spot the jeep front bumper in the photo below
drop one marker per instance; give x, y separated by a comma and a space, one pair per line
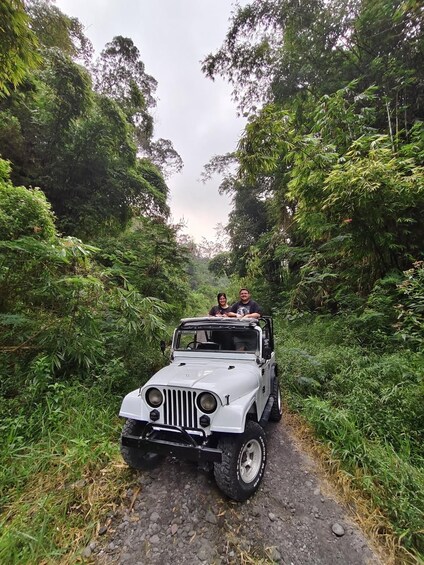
173, 441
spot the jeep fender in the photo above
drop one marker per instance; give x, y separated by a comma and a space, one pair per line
231, 418
131, 406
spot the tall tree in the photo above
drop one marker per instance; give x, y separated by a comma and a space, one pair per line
18, 45
54, 29
120, 74
276, 49
342, 86
82, 147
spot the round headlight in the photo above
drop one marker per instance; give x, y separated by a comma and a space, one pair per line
207, 402
154, 397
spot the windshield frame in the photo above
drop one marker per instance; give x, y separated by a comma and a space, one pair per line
218, 338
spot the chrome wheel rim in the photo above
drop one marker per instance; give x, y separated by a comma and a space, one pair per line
250, 460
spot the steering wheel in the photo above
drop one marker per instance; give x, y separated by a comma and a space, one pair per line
191, 345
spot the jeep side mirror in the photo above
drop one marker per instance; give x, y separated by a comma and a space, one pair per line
266, 352
162, 346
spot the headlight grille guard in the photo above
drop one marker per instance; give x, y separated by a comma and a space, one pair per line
152, 427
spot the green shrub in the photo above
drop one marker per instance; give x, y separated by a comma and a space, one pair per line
386, 394
410, 324
23, 212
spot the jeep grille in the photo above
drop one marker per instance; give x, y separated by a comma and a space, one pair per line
180, 408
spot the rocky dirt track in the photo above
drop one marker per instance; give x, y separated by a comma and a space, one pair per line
176, 515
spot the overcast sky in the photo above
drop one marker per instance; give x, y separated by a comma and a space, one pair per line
196, 114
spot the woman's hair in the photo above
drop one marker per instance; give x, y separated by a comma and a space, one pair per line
221, 294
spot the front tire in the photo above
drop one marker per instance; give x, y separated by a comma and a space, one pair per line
243, 462
136, 458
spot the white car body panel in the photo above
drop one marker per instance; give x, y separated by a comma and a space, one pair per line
240, 380
236, 389
215, 376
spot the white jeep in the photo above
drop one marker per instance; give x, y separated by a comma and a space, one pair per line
210, 403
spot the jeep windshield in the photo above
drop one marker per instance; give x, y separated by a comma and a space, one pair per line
217, 336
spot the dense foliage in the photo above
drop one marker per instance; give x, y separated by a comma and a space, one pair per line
84, 135
17, 45
329, 173
70, 328
326, 228
366, 405
80, 323
328, 198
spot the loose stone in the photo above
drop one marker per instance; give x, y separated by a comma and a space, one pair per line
274, 554
210, 517
154, 517
337, 529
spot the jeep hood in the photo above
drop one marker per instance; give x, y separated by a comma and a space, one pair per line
223, 378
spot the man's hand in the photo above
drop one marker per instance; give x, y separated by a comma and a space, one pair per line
252, 315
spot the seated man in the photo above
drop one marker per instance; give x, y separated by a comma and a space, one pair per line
245, 307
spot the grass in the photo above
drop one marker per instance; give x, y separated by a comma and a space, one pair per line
56, 488
368, 517
367, 407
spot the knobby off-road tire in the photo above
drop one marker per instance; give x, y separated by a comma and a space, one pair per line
277, 408
136, 458
243, 462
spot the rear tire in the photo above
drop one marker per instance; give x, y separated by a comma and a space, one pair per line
277, 408
243, 462
134, 457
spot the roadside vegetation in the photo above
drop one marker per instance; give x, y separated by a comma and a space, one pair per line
365, 405
326, 229
327, 184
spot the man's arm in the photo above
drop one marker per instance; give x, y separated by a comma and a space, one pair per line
252, 315
255, 311
233, 312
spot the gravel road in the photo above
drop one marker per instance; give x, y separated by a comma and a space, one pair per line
176, 515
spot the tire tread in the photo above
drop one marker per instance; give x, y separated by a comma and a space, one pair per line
226, 471
135, 458
276, 412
